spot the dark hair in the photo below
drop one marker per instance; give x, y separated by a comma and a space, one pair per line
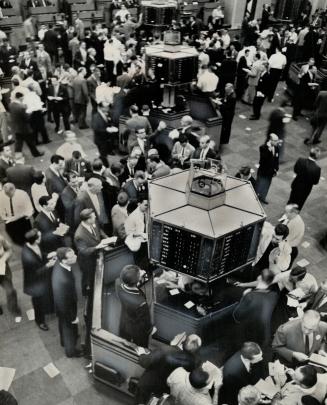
62, 253
97, 164
314, 153
76, 154
86, 214
15, 82
130, 275
282, 230
198, 378
56, 159
70, 175
7, 399
298, 272
19, 95
257, 55
183, 138
116, 168
309, 374
32, 235
154, 158
122, 198
131, 206
309, 400
134, 109
44, 200
38, 177
250, 349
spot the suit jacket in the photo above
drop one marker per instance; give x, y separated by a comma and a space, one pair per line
64, 293
254, 75
268, 163
49, 241
37, 278
85, 243
62, 105
3, 170
264, 83
32, 65
139, 122
164, 145
320, 105
50, 41
19, 118
82, 168
91, 86
227, 109
99, 126
133, 193
21, 176
307, 173
124, 80
289, 338
81, 93
315, 304
236, 376
211, 154
54, 183
68, 197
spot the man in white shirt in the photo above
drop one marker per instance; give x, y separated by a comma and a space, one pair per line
296, 228
69, 146
277, 62
207, 81
298, 278
16, 210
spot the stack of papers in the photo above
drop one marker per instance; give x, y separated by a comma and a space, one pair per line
267, 387
318, 360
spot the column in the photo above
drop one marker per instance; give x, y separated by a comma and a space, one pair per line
234, 12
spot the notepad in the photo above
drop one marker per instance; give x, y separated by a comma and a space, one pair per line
318, 360
51, 370
6, 377
174, 291
189, 305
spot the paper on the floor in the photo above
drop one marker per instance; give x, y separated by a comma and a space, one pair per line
6, 377
18, 319
174, 291
303, 263
305, 244
248, 129
30, 314
243, 117
51, 370
189, 304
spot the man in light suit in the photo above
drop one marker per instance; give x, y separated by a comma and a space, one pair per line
204, 151
183, 150
81, 98
318, 301
253, 79
55, 181
296, 340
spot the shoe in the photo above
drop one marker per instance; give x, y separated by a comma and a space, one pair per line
316, 142
39, 154
84, 127
77, 353
50, 120
253, 117
264, 201
43, 326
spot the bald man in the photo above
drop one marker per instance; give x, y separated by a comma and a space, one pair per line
268, 166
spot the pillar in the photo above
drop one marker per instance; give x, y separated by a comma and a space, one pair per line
234, 12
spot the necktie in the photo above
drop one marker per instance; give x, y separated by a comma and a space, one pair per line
294, 285
306, 345
12, 212
93, 231
183, 152
202, 154
52, 217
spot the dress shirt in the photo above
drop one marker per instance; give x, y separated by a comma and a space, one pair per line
247, 363
33, 102
34, 83
95, 202
207, 82
37, 191
296, 230
183, 392
277, 61
21, 202
203, 153
308, 285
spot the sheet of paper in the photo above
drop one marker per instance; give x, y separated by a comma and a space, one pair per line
303, 263
243, 117
305, 244
51, 370
297, 293
318, 359
30, 314
6, 377
174, 291
248, 129
189, 305
291, 302
18, 319
267, 387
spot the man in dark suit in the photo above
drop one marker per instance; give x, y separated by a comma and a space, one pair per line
65, 300
305, 91
93, 82
160, 363
21, 175
37, 270
100, 125
296, 340
54, 235
68, 197
6, 161
262, 91
245, 367
81, 97
268, 166
50, 42
319, 119
318, 302
227, 110
88, 237
20, 126
135, 320
55, 181
59, 103
307, 175
204, 150
137, 187
93, 197
160, 140
78, 164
